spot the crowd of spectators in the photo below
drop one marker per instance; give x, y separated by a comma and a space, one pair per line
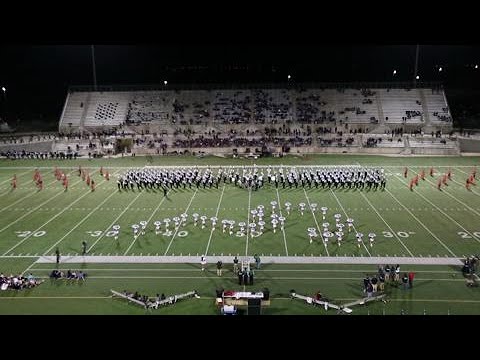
18, 282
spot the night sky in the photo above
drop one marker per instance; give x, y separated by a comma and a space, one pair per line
37, 77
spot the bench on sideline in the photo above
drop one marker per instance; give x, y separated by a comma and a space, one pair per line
155, 304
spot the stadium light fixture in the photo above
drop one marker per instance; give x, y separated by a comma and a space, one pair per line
476, 66
3, 89
165, 82
289, 77
440, 68
417, 77
394, 72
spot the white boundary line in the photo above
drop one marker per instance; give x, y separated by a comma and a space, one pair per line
149, 219
51, 219
423, 225
114, 221
209, 277
354, 228
248, 220
34, 209
216, 214
283, 231
178, 228
29, 267
381, 217
195, 270
316, 222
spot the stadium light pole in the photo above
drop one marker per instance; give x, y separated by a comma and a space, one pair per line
415, 77
4, 91
94, 69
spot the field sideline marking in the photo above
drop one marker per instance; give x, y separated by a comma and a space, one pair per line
316, 222
283, 230
260, 270
210, 299
26, 196
216, 214
214, 276
248, 220
51, 219
381, 217
421, 223
149, 219
176, 230
34, 209
354, 228
114, 221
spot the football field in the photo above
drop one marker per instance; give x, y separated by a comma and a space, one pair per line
423, 223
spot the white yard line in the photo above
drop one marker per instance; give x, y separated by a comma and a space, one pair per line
178, 228
114, 222
80, 223
462, 185
381, 217
354, 228
453, 197
149, 219
34, 209
248, 220
316, 222
29, 267
283, 231
421, 223
51, 219
216, 214
26, 196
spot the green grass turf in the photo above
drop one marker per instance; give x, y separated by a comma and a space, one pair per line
425, 222
437, 290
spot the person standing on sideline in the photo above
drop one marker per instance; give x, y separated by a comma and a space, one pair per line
257, 261
219, 268
404, 281
411, 275
235, 265
14, 182
165, 192
57, 254
84, 247
203, 262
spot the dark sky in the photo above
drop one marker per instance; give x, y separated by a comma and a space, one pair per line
37, 77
